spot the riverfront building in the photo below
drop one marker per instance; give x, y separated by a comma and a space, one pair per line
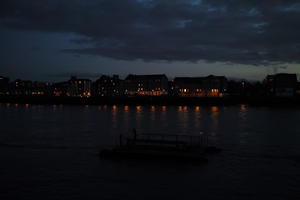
4, 84
210, 86
108, 86
146, 85
281, 85
80, 87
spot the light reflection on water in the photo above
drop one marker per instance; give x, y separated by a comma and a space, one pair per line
153, 108
242, 121
169, 119
55, 143
197, 117
197, 108
114, 113
214, 115
153, 113
163, 116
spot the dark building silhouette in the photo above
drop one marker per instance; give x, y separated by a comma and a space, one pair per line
41, 89
298, 89
61, 89
29, 88
210, 86
80, 87
243, 88
108, 86
281, 85
188, 86
171, 88
146, 85
4, 85
277, 85
20, 87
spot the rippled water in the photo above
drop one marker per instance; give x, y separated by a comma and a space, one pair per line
50, 152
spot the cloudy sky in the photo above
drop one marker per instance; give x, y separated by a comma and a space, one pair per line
52, 39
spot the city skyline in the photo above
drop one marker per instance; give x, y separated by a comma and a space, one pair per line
94, 77
150, 99
277, 85
49, 40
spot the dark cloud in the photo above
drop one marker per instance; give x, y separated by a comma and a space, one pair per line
77, 74
247, 31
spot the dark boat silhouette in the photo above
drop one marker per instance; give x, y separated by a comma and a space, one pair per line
161, 147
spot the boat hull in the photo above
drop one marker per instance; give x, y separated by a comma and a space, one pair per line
152, 155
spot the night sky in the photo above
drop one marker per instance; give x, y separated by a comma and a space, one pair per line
53, 39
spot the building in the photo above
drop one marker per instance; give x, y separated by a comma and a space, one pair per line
61, 89
21, 87
189, 87
108, 86
146, 85
210, 86
41, 89
281, 85
29, 88
79, 87
4, 85
298, 89
215, 86
171, 88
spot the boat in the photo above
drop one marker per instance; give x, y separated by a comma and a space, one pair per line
164, 147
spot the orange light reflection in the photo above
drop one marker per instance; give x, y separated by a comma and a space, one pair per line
215, 108
153, 108
139, 108
185, 108
126, 108
243, 107
179, 108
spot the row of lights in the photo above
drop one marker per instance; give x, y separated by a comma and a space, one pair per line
197, 90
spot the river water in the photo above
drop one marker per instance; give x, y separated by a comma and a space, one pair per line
51, 152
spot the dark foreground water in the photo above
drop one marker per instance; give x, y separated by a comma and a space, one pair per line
50, 152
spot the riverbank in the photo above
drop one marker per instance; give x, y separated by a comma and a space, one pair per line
258, 101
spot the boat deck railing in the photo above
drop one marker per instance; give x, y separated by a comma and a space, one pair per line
167, 140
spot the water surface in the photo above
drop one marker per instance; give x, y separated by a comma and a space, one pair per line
51, 152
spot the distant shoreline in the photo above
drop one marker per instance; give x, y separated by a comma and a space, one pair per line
166, 100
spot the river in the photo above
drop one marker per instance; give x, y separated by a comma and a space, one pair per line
51, 152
